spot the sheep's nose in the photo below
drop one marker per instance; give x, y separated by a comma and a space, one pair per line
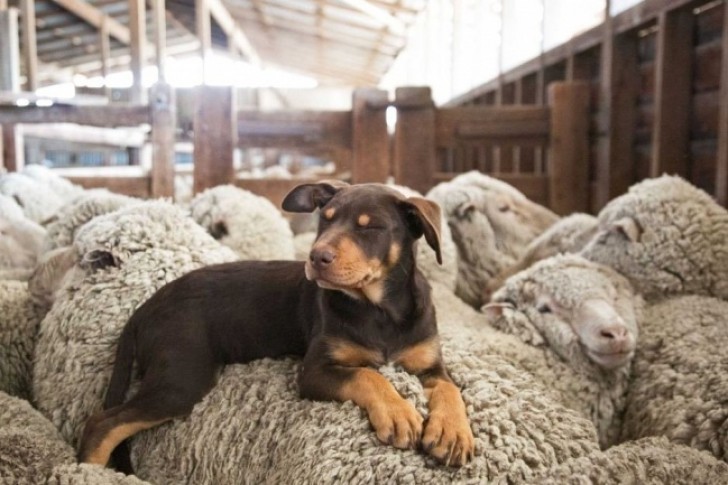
322, 257
616, 336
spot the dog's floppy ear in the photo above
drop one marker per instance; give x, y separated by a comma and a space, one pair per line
308, 197
423, 217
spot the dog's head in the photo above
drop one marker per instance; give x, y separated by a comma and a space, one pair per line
364, 232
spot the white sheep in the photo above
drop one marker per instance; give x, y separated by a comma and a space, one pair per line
568, 235
21, 241
19, 320
680, 384
584, 318
37, 201
122, 258
668, 237
62, 187
649, 460
33, 452
249, 224
70, 217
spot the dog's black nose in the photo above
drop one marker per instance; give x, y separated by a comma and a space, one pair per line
322, 256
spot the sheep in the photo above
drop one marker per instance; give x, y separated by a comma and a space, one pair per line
21, 242
649, 460
680, 383
668, 237
60, 186
249, 224
19, 320
63, 226
568, 235
302, 244
121, 259
584, 317
37, 201
33, 452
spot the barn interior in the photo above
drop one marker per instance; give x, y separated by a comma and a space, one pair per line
545, 130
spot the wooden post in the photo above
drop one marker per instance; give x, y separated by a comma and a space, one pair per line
619, 85
12, 146
9, 53
721, 186
105, 43
414, 140
673, 93
569, 147
216, 129
30, 50
163, 117
138, 31
370, 140
160, 37
202, 22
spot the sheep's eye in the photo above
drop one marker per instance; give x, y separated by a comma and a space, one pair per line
504, 208
543, 308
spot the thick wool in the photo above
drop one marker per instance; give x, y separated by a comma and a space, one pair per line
566, 282
649, 461
38, 202
124, 257
21, 242
82, 209
247, 223
19, 320
62, 187
680, 384
668, 237
567, 235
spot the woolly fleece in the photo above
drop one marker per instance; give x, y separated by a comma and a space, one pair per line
37, 201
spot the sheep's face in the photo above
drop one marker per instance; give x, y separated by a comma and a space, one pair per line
365, 231
20, 242
515, 221
578, 309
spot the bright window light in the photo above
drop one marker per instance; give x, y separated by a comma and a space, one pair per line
22, 102
57, 91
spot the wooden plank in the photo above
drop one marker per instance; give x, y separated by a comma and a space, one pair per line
163, 117
295, 129
215, 128
105, 52
274, 190
138, 31
414, 140
203, 29
370, 139
88, 135
106, 116
138, 186
93, 16
480, 121
12, 146
160, 40
30, 48
673, 76
9, 53
568, 162
619, 85
721, 188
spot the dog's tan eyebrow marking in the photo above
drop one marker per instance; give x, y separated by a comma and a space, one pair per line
363, 220
395, 251
329, 213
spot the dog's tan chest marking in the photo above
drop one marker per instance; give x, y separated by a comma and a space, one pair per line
353, 355
419, 357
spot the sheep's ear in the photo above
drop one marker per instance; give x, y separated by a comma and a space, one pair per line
308, 197
99, 259
423, 217
627, 227
493, 311
18, 201
219, 230
464, 210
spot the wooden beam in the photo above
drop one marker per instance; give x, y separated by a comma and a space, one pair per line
370, 143
414, 139
163, 117
138, 30
9, 54
93, 16
228, 24
673, 94
569, 147
12, 146
30, 48
106, 116
722, 162
215, 128
160, 38
105, 51
89, 135
203, 31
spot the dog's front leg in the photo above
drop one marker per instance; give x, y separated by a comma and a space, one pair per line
447, 435
395, 420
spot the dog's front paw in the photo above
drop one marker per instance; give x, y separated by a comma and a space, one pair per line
397, 423
449, 438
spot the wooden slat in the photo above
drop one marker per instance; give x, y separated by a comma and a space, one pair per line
94, 16
414, 147
30, 49
370, 138
673, 76
215, 128
160, 39
107, 116
138, 31
202, 29
569, 147
722, 161
163, 116
9, 54
105, 51
134, 186
274, 190
295, 129
479, 121
12, 148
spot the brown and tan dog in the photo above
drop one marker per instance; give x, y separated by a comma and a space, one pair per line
357, 303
